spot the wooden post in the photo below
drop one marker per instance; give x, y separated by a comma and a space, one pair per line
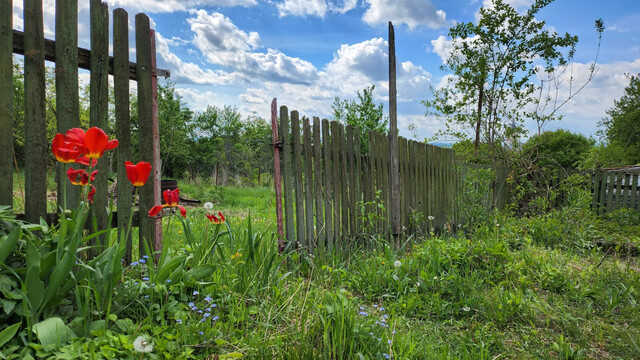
123, 121
157, 162
317, 176
145, 126
308, 185
67, 106
276, 173
297, 177
34, 113
328, 175
286, 172
6, 103
394, 179
99, 105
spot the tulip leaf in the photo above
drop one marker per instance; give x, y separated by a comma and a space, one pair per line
52, 331
8, 333
7, 243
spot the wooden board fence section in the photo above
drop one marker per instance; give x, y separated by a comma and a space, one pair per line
329, 184
6, 103
615, 189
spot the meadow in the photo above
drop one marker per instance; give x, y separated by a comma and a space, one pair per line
562, 285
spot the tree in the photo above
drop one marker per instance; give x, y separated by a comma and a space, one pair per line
494, 65
364, 114
622, 126
560, 148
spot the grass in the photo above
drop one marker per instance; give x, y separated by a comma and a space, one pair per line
563, 285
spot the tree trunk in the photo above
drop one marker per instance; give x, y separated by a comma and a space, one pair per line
477, 142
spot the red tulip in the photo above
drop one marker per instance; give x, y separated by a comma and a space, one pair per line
222, 219
91, 193
93, 143
80, 177
216, 219
138, 173
64, 151
171, 199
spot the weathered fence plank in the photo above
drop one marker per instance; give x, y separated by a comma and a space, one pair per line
317, 184
336, 182
35, 118
635, 203
308, 184
6, 103
123, 121
287, 180
297, 178
99, 104
145, 126
328, 176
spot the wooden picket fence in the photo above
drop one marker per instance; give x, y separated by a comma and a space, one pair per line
333, 193
68, 58
615, 189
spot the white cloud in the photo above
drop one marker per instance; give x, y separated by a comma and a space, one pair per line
164, 6
413, 13
302, 8
444, 46
317, 8
222, 43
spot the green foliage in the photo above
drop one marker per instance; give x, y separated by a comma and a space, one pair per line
494, 63
621, 126
559, 148
364, 114
473, 201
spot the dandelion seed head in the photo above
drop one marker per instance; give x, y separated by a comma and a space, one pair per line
397, 263
208, 205
143, 344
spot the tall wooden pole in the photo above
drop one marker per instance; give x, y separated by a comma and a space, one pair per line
6, 102
157, 164
276, 173
394, 178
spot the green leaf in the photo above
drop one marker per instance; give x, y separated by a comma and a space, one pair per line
52, 331
8, 333
233, 355
8, 242
200, 272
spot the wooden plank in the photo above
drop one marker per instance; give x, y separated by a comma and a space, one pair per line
634, 192
344, 184
595, 189
372, 179
384, 181
123, 121
6, 104
99, 105
602, 199
317, 177
412, 187
402, 159
328, 176
626, 199
358, 180
308, 185
36, 144
145, 126
336, 182
394, 205
297, 178
287, 176
84, 57
277, 172
350, 143
618, 201
610, 190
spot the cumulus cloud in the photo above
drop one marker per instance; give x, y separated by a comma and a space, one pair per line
169, 6
222, 43
413, 13
317, 8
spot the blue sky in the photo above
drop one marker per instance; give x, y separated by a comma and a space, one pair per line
306, 52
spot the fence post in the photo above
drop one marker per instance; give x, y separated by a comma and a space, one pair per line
123, 121
276, 172
145, 127
157, 162
297, 177
317, 176
67, 106
35, 120
6, 102
328, 176
99, 104
393, 138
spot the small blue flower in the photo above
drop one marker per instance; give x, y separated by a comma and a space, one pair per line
215, 318
146, 296
361, 307
381, 309
386, 356
179, 321
375, 306
389, 342
145, 256
385, 316
195, 293
146, 278
214, 305
168, 281
363, 313
208, 299
200, 332
142, 261
199, 311
134, 263
191, 304
203, 319
207, 315
393, 332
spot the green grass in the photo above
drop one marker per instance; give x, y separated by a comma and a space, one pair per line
564, 285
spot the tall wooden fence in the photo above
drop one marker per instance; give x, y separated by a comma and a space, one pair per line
334, 193
615, 189
68, 58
